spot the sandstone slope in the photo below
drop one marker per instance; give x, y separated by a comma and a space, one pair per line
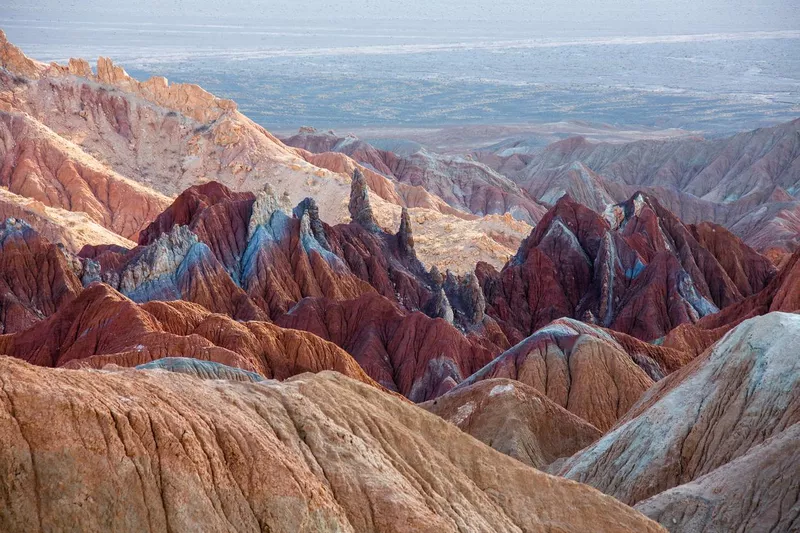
516, 420
72, 229
756, 492
580, 368
158, 451
36, 278
102, 327
708, 419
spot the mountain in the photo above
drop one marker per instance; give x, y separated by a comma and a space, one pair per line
160, 450
99, 136
202, 327
515, 419
463, 183
636, 269
701, 427
245, 260
748, 183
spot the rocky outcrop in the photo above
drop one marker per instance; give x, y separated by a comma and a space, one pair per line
782, 293
36, 278
175, 266
12, 59
360, 210
156, 450
748, 183
253, 258
405, 236
614, 270
580, 368
516, 420
698, 426
461, 182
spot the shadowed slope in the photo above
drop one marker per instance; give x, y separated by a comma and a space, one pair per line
36, 278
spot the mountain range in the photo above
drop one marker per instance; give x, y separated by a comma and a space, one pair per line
203, 326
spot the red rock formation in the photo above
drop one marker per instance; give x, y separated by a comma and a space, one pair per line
410, 353
157, 451
173, 267
516, 420
259, 261
717, 409
102, 327
36, 278
637, 270
782, 293
38, 164
580, 368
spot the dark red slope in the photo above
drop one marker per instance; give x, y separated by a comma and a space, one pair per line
35, 277
636, 269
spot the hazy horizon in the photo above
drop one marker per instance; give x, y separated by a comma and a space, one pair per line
713, 66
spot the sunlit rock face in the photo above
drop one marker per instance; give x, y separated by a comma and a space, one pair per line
746, 388
318, 452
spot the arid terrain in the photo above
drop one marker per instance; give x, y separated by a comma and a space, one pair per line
205, 326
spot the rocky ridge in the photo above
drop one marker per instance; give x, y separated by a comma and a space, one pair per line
158, 450
704, 425
169, 137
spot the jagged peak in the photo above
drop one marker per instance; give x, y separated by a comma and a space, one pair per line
163, 257
308, 213
264, 206
466, 294
359, 206
16, 62
405, 236
617, 215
